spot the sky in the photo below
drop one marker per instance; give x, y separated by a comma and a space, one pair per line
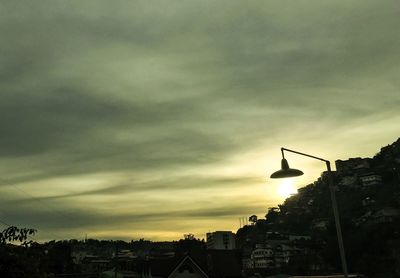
154, 119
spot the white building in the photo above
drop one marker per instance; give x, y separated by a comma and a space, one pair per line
269, 256
263, 257
221, 240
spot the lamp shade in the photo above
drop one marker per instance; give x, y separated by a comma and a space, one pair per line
286, 171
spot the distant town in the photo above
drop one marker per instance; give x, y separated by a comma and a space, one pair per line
294, 239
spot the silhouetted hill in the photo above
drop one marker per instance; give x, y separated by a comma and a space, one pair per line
368, 194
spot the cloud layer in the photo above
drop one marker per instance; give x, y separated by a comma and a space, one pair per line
154, 119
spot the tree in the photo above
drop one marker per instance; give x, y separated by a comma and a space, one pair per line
23, 260
253, 219
272, 215
189, 237
189, 244
13, 233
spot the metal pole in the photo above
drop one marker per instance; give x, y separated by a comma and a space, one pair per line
116, 260
337, 220
334, 206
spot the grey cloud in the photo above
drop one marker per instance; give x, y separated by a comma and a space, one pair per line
173, 185
45, 121
48, 220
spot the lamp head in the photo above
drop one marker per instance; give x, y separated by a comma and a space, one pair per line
286, 171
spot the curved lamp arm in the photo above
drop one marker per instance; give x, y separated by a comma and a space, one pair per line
303, 154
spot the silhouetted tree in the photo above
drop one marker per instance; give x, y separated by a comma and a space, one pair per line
253, 219
12, 234
23, 260
189, 245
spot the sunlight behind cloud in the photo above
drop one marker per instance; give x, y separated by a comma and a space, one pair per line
286, 188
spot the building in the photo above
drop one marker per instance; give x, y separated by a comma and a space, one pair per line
368, 202
185, 267
269, 256
299, 237
263, 257
221, 240
349, 181
358, 164
384, 216
320, 224
371, 179
188, 268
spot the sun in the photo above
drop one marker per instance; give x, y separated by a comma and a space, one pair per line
286, 188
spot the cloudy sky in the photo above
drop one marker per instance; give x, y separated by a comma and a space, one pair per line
129, 119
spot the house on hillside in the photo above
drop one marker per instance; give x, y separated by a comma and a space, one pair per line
370, 179
320, 224
349, 181
263, 257
383, 216
299, 237
268, 257
352, 165
368, 202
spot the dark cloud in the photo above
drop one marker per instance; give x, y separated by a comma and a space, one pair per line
43, 219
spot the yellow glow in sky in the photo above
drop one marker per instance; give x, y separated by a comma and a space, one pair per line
286, 188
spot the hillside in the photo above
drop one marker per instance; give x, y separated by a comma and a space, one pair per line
368, 194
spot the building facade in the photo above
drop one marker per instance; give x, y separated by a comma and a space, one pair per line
221, 240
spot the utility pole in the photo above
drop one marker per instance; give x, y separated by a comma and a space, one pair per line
116, 260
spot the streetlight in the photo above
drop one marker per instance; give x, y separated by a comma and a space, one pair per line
287, 172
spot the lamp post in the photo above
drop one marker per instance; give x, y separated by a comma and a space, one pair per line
287, 172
